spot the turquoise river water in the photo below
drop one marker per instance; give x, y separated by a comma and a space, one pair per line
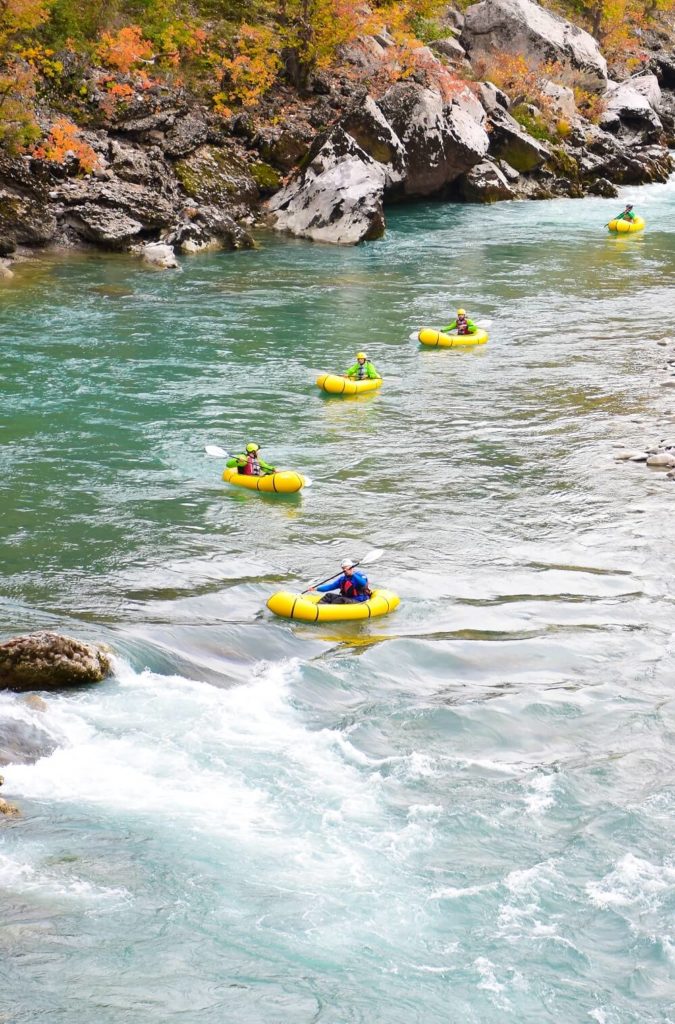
462, 812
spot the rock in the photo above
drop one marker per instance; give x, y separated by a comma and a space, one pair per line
448, 47
336, 198
561, 99
631, 103
7, 246
8, 809
491, 97
603, 187
26, 217
284, 148
661, 459
21, 742
159, 254
34, 701
103, 226
523, 27
509, 142
206, 227
630, 456
440, 142
484, 183
49, 661
367, 125
217, 177
187, 133
5, 270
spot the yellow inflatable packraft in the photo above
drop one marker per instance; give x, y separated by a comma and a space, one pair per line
437, 339
306, 607
335, 385
624, 227
287, 481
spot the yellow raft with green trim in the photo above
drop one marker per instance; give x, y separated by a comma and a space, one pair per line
333, 384
624, 227
437, 339
307, 607
286, 481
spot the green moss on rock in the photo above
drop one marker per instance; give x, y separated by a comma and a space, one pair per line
265, 177
217, 177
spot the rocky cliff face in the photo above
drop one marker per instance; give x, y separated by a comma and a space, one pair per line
172, 177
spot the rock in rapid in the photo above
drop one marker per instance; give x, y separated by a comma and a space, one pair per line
50, 661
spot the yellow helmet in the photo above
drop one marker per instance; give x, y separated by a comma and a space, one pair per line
252, 447
361, 355
461, 312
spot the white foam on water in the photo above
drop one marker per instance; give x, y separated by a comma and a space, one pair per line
486, 971
634, 882
541, 797
21, 877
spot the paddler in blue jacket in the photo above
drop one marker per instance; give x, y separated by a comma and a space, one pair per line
352, 586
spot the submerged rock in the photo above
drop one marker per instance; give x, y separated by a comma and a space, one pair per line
158, 254
8, 809
50, 661
21, 742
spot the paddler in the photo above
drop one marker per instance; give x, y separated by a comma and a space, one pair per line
362, 369
627, 214
461, 324
249, 462
352, 586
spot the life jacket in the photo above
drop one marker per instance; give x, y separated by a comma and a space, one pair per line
362, 371
350, 588
462, 325
252, 467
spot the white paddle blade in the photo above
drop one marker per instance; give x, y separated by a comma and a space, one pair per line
308, 481
414, 336
372, 556
215, 452
483, 324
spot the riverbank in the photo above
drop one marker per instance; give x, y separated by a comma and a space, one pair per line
158, 166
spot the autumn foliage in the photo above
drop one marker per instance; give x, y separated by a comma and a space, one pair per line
125, 49
64, 141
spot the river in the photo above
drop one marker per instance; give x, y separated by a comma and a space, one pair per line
460, 812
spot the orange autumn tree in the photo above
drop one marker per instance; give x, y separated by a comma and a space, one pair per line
125, 49
64, 140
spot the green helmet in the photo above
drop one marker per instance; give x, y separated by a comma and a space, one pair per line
252, 447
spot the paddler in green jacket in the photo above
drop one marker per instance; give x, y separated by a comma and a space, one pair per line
627, 214
249, 462
362, 369
461, 324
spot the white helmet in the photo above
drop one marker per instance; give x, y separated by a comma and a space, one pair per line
346, 563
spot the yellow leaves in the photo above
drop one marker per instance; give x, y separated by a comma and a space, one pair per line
21, 16
125, 49
41, 59
63, 141
251, 72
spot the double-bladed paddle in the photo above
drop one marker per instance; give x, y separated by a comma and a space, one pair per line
372, 556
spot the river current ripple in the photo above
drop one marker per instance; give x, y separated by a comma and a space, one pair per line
461, 812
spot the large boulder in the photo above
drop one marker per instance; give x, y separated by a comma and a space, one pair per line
111, 213
218, 177
484, 183
492, 27
369, 128
336, 198
25, 214
207, 227
509, 142
634, 105
440, 141
50, 661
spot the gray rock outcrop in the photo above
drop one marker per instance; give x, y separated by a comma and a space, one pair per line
484, 183
633, 105
50, 661
336, 198
523, 27
509, 142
